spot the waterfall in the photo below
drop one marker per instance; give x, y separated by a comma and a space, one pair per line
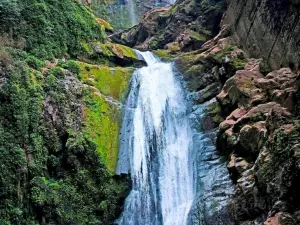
155, 147
132, 14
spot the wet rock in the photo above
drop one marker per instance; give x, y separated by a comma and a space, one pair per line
113, 53
247, 201
207, 93
204, 67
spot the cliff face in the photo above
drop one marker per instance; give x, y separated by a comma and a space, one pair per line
258, 104
258, 120
268, 29
62, 84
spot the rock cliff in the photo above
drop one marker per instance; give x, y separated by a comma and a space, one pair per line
252, 69
267, 29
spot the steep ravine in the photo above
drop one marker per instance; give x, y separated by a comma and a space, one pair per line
217, 137
257, 100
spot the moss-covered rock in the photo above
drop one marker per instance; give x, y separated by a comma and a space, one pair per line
110, 54
165, 54
104, 24
57, 169
217, 61
106, 90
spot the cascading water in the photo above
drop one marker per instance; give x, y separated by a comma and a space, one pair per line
155, 148
131, 10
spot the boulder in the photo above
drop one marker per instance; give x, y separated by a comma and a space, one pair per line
251, 138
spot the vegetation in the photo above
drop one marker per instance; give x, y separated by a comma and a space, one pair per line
51, 27
51, 171
55, 168
107, 87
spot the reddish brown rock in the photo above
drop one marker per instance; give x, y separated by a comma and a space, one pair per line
232, 118
280, 219
252, 137
260, 113
241, 89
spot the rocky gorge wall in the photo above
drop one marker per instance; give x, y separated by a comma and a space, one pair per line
259, 135
251, 69
268, 29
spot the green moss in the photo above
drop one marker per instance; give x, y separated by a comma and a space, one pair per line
36, 77
173, 47
110, 81
118, 50
86, 47
102, 115
164, 54
198, 36
109, 54
214, 111
102, 124
154, 44
238, 63
104, 24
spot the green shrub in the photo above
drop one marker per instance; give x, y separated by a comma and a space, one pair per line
34, 62
73, 67
9, 14
88, 68
57, 72
52, 28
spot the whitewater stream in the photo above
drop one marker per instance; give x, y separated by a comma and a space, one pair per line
155, 144
176, 174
